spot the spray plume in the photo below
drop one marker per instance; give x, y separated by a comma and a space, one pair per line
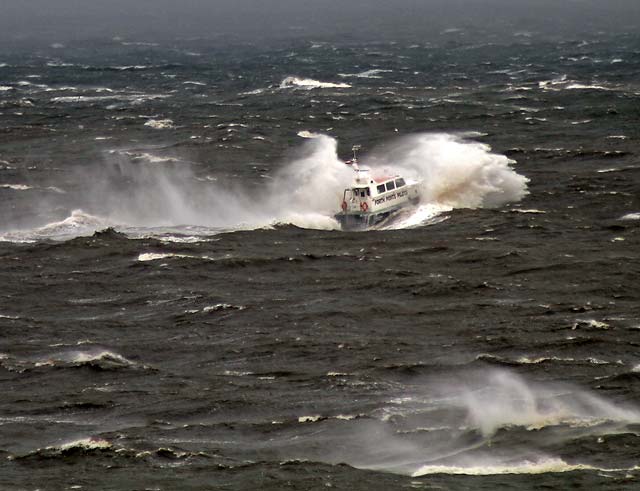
143, 191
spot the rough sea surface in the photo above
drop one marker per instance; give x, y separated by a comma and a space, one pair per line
179, 310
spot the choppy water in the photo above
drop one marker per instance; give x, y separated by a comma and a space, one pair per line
180, 311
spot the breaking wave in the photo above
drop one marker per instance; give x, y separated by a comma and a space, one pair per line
77, 224
308, 83
466, 425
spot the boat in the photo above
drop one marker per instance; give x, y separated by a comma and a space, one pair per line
371, 198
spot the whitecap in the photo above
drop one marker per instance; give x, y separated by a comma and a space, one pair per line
153, 159
541, 467
79, 223
5, 88
129, 67
631, 216
253, 92
85, 443
16, 187
577, 86
152, 256
308, 134
222, 306
307, 83
138, 43
59, 64
191, 239
373, 73
134, 98
160, 124
590, 323
155, 256
56, 189
527, 211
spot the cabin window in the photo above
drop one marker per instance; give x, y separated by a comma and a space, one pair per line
390, 186
380, 188
400, 182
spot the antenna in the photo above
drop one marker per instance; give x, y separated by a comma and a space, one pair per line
355, 149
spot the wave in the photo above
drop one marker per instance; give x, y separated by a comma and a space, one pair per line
544, 466
77, 224
156, 256
482, 422
89, 445
631, 216
102, 359
136, 98
95, 445
160, 124
373, 73
96, 358
308, 83
16, 187
527, 360
564, 83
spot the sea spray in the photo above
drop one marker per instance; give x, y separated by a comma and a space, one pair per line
465, 423
306, 191
139, 190
454, 171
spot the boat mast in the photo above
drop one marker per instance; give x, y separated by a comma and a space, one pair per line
355, 149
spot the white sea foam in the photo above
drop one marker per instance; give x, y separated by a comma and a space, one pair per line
5, 88
77, 224
544, 466
155, 256
577, 86
253, 92
149, 157
590, 323
373, 73
84, 357
91, 443
307, 83
631, 216
160, 124
16, 187
133, 98
129, 67
531, 211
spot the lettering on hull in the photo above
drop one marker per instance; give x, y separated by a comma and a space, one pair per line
391, 197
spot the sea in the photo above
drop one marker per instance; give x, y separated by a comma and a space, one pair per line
180, 310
